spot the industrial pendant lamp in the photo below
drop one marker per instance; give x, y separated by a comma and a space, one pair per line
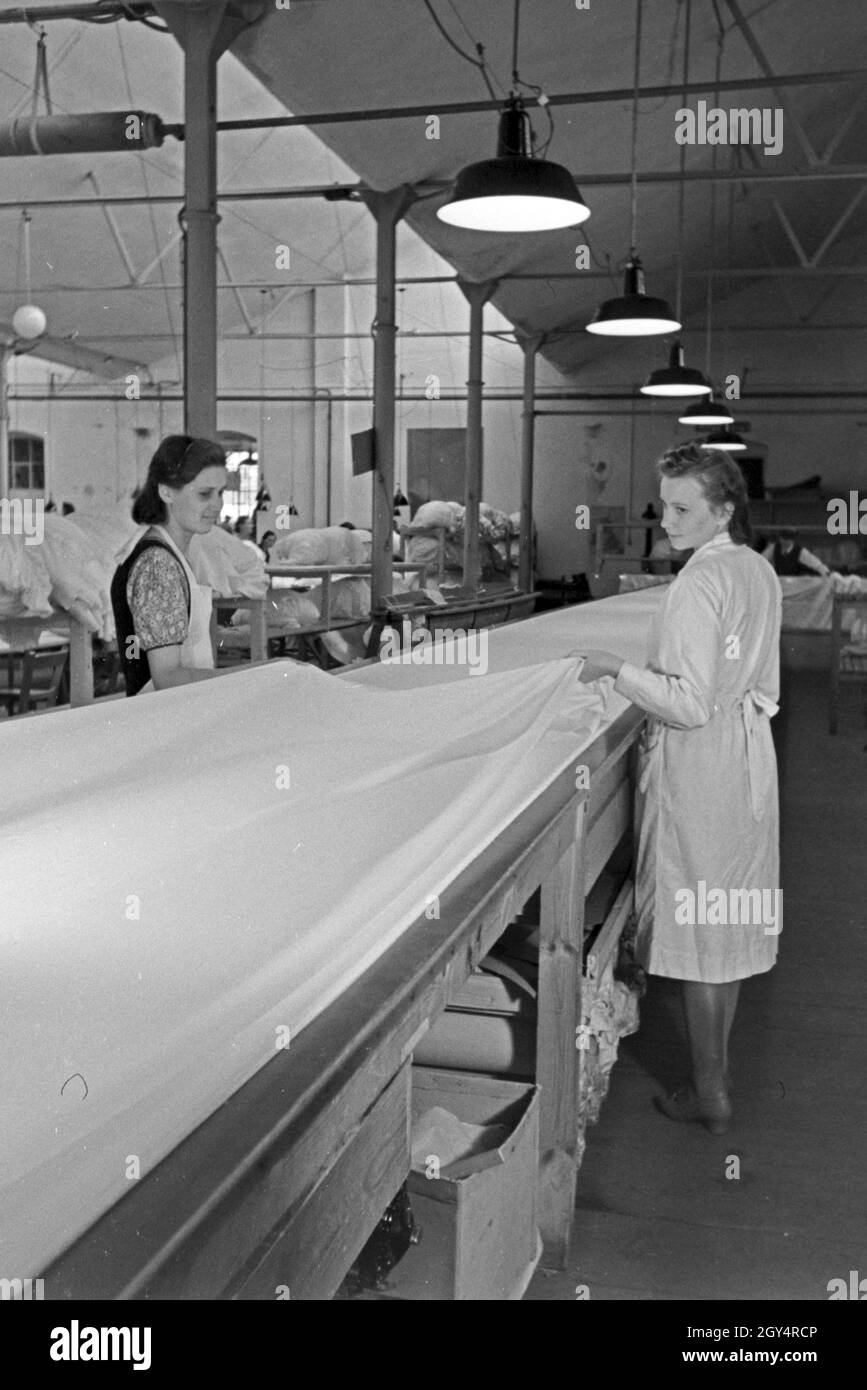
634, 314
516, 191
28, 321
706, 412
727, 439
677, 379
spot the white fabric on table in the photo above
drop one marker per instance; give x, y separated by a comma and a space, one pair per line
61, 571
321, 545
167, 907
25, 584
72, 568
807, 598
619, 624
228, 564
629, 583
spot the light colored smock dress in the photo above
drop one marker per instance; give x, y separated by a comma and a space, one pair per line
707, 876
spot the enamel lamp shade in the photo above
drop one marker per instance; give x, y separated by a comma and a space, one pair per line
727, 440
514, 192
707, 412
676, 379
634, 314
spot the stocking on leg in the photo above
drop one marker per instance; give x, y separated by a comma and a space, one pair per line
732, 989
706, 1010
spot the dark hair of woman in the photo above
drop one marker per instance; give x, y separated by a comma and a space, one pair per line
719, 478
178, 460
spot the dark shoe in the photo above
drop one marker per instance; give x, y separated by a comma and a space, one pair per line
685, 1105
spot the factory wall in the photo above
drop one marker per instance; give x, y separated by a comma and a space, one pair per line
97, 452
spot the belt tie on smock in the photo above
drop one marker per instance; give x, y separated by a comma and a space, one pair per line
649, 747
760, 758
752, 706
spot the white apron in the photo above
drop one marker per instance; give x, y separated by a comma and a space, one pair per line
197, 652
707, 799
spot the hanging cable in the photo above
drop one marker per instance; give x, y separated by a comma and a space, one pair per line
480, 62
260, 458
713, 163
40, 80
151, 216
672, 58
633, 212
24, 254
682, 189
515, 78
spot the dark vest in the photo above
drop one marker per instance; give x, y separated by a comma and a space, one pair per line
790, 563
136, 669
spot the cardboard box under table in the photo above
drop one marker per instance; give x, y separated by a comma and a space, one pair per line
479, 1235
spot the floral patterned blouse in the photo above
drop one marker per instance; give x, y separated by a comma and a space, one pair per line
158, 599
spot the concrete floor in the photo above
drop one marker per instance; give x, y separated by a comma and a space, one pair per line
660, 1213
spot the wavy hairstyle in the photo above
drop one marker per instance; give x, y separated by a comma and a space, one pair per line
178, 460
719, 478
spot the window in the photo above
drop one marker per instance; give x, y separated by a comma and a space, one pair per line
242, 485
26, 462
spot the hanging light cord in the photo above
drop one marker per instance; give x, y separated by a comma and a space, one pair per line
539, 152
40, 80
634, 194
713, 163
515, 78
680, 216
480, 62
25, 239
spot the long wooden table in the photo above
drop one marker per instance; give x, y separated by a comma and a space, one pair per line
276, 1193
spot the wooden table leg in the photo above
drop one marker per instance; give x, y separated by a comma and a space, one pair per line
258, 630
559, 1045
80, 665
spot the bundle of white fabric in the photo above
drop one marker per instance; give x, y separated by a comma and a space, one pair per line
424, 550
59, 571
217, 558
228, 564
322, 545
495, 527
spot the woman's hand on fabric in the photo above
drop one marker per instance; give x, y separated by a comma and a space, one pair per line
598, 664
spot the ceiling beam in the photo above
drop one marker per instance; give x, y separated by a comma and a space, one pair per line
109, 9
759, 55
155, 393
466, 108
843, 128
347, 192
838, 226
508, 336
360, 282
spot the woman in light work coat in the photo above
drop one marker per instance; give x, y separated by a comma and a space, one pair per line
707, 801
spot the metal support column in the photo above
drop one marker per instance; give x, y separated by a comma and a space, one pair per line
5, 472
530, 346
388, 208
477, 296
204, 31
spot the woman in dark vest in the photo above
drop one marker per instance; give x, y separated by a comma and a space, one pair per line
788, 556
162, 614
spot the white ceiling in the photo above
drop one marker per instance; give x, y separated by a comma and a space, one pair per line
401, 59
327, 55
